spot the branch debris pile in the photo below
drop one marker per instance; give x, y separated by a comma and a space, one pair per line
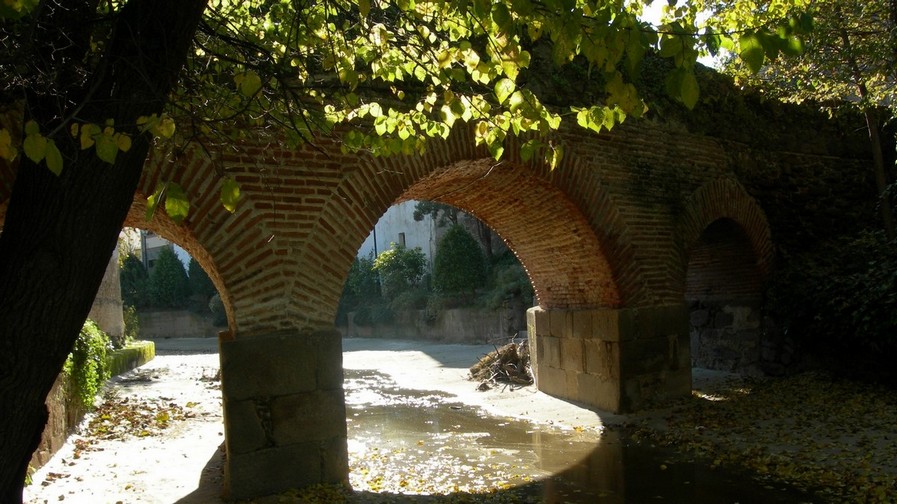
507, 364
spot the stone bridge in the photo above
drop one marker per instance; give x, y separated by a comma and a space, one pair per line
631, 230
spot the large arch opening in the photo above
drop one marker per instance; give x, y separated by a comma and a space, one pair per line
429, 271
558, 252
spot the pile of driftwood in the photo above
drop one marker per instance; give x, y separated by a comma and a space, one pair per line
508, 364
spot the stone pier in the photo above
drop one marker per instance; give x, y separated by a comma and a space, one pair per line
284, 411
613, 359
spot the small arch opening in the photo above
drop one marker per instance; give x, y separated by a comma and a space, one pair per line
724, 297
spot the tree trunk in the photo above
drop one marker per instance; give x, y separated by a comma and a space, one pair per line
881, 179
60, 232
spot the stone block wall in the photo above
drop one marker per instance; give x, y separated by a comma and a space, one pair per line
284, 411
613, 359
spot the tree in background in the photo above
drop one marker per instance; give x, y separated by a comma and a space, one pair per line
169, 286
134, 282
442, 214
459, 266
201, 286
850, 63
400, 269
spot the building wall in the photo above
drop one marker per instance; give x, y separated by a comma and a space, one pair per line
398, 225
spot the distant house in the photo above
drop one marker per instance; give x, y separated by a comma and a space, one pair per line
151, 246
398, 226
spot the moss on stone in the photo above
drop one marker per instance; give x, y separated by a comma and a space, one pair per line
134, 354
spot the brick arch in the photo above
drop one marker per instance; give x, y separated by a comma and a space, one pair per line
556, 243
183, 236
725, 200
539, 223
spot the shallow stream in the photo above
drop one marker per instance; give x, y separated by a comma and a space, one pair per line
417, 442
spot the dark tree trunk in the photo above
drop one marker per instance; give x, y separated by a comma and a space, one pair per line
60, 232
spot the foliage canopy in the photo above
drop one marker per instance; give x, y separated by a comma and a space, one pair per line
399, 71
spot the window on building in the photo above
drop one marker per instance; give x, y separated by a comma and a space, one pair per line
402, 239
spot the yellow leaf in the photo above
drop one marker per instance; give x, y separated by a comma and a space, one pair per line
123, 141
87, 132
7, 151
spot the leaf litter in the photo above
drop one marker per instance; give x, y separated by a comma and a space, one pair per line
832, 437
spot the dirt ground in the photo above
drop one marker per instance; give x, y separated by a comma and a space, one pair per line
159, 438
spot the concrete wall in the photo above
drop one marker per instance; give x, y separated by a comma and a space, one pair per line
175, 324
459, 325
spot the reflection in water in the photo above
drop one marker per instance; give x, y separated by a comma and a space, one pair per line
414, 442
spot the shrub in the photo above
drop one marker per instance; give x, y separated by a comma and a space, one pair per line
839, 302
459, 266
87, 365
132, 324
362, 286
169, 286
400, 269
509, 280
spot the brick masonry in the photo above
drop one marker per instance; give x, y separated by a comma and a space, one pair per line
619, 241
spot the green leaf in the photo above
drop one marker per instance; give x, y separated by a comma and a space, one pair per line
35, 146
153, 201
230, 194
364, 7
689, 89
752, 52
107, 148
32, 128
792, 46
502, 17
165, 127
712, 41
503, 89
529, 148
176, 203
54, 158
248, 83
522, 7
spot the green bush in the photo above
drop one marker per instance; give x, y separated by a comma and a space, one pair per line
168, 282
400, 269
362, 287
840, 302
87, 365
134, 282
132, 326
509, 280
459, 266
